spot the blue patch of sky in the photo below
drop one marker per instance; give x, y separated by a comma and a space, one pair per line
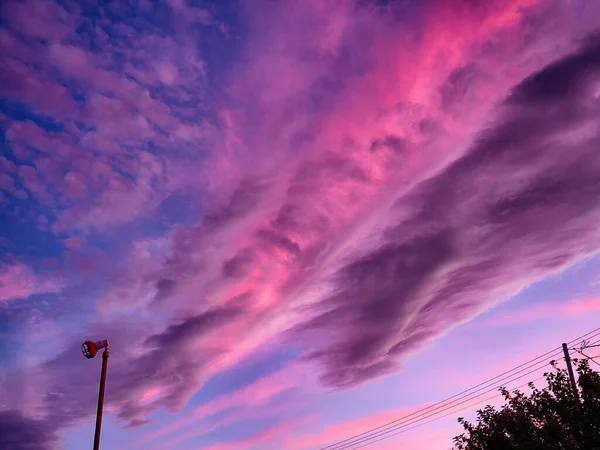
219, 49
79, 96
15, 315
216, 47
85, 128
20, 236
10, 346
250, 427
246, 372
20, 233
113, 433
11, 350
70, 311
20, 111
237, 431
179, 208
188, 105
214, 419
574, 283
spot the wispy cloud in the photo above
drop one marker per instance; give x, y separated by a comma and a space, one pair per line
20, 281
268, 438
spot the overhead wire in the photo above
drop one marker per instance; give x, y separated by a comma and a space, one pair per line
471, 405
423, 413
455, 397
388, 432
461, 397
586, 356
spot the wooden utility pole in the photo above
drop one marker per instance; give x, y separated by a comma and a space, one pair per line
570, 369
100, 399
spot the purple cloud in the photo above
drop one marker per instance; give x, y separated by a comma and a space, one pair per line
18, 432
520, 204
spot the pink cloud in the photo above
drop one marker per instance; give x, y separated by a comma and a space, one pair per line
167, 73
246, 402
21, 82
19, 281
272, 412
332, 433
190, 14
254, 394
538, 312
48, 21
264, 438
432, 437
584, 306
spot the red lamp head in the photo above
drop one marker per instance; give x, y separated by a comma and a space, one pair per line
89, 348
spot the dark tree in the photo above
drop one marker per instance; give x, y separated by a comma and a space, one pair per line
547, 419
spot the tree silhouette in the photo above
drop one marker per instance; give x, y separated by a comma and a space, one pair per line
548, 419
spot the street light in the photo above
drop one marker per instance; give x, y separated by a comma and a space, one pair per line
89, 350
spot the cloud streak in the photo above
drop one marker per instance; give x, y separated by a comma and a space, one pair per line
19, 281
519, 205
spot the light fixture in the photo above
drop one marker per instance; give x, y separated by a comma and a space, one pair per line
89, 348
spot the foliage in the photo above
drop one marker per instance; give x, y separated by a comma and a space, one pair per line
548, 419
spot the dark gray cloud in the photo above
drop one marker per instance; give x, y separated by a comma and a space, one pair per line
458, 86
193, 327
522, 202
563, 80
393, 142
239, 265
243, 200
18, 432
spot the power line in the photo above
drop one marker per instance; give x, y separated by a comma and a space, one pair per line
588, 357
400, 422
585, 345
442, 403
386, 428
385, 433
463, 408
471, 405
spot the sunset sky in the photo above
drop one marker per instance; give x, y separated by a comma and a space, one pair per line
293, 220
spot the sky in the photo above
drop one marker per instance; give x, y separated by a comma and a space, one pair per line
294, 221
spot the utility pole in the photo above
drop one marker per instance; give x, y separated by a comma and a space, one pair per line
89, 350
570, 369
101, 399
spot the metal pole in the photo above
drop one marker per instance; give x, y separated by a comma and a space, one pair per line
570, 369
100, 399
